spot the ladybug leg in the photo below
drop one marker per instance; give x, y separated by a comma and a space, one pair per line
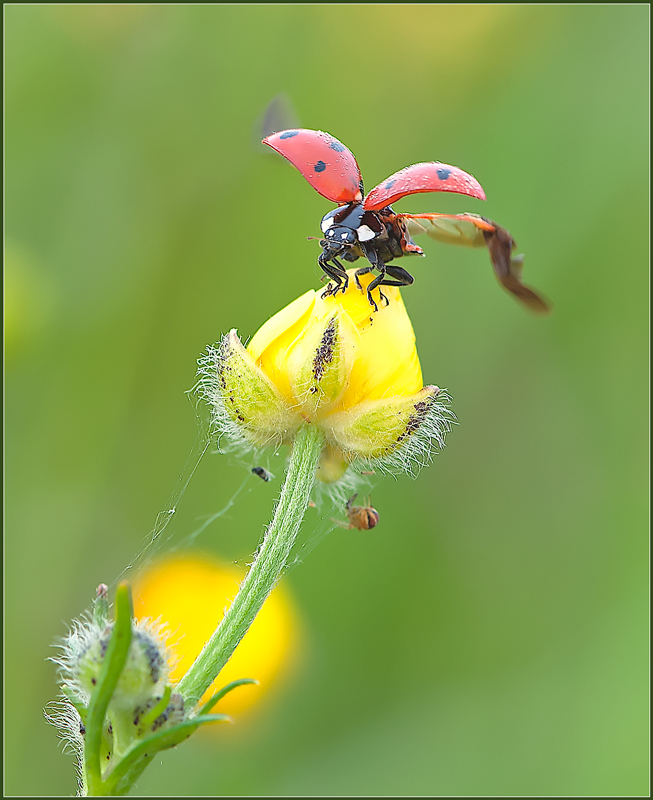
336, 271
342, 273
376, 282
375, 263
359, 272
402, 278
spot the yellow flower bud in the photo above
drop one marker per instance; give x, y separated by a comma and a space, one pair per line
333, 362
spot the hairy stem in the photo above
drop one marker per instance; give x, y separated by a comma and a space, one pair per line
266, 569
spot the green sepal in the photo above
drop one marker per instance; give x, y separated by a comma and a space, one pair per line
72, 698
123, 775
376, 428
101, 606
147, 719
319, 366
249, 397
225, 690
112, 666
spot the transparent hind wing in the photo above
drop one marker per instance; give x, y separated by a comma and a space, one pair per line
471, 230
461, 229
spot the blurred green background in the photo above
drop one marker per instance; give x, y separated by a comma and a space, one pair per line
490, 636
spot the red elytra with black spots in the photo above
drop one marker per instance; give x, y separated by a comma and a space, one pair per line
365, 226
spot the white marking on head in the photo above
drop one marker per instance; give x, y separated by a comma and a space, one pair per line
365, 233
344, 235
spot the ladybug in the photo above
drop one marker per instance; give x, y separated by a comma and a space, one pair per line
365, 226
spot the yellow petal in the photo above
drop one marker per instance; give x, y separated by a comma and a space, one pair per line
388, 364
269, 347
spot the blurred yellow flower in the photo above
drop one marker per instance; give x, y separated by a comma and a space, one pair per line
190, 594
333, 362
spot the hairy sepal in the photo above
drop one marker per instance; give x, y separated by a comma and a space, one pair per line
246, 406
399, 433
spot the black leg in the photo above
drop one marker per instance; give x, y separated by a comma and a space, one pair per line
336, 271
342, 273
402, 278
359, 272
330, 273
376, 263
376, 282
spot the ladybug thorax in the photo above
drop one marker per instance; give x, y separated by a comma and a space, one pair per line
350, 224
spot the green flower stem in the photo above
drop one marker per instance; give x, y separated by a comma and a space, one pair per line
266, 569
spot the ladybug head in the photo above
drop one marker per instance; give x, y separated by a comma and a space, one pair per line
339, 236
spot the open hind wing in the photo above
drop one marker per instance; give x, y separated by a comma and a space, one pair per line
471, 230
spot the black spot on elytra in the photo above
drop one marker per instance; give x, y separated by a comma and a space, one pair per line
288, 134
320, 166
389, 184
337, 147
443, 174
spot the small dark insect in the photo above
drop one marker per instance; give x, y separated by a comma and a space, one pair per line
363, 518
263, 474
365, 226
